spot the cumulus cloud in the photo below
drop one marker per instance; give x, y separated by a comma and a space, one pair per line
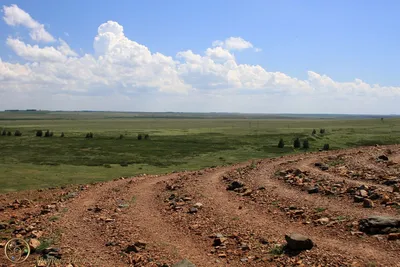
120, 66
14, 16
35, 53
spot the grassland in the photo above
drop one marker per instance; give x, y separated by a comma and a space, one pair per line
177, 142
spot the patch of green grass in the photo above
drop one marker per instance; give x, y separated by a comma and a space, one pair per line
54, 218
275, 203
277, 250
179, 142
336, 162
320, 209
342, 218
44, 243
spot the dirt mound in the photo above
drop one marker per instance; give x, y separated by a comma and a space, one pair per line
325, 204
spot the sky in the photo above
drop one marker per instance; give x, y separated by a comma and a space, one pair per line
253, 56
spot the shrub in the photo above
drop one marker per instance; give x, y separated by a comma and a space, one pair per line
47, 133
8, 133
314, 132
326, 147
306, 145
62, 134
139, 137
296, 143
39, 133
281, 144
4, 133
321, 131
146, 136
89, 135
17, 133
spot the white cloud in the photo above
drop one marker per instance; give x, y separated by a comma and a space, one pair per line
235, 43
35, 53
65, 49
14, 16
219, 54
124, 68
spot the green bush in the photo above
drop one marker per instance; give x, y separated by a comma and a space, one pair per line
139, 137
281, 144
314, 132
17, 133
89, 135
47, 133
39, 133
321, 131
296, 143
306, 145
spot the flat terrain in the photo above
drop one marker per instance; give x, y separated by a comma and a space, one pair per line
177, 142
153, 220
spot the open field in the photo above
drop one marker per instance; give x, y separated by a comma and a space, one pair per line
234, 215
177, 142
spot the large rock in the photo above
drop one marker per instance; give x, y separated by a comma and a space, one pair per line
383, 157
235, 185
34, 244
368, 203
184, 263
379, 225
298, 242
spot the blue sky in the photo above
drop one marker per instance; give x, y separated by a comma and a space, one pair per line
284, 52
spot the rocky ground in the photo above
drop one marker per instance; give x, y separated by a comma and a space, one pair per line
336, 208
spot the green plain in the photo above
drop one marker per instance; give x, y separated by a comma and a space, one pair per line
177, 142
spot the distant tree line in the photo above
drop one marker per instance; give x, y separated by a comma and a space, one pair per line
305, 144
48, 133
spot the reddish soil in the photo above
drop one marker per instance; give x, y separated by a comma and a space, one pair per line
160, 220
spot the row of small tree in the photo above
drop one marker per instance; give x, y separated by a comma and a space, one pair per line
39, 133
8, 133
48, 133
145, 137
321, 131
297, 144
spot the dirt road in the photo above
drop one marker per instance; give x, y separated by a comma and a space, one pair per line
160, 220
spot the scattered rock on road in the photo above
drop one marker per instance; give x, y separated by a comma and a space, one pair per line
394, 236
298, 242
379, 225
383, 157
235, 185
313, 190
34, 243
368, 203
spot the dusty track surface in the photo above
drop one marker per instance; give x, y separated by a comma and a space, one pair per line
160, 220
